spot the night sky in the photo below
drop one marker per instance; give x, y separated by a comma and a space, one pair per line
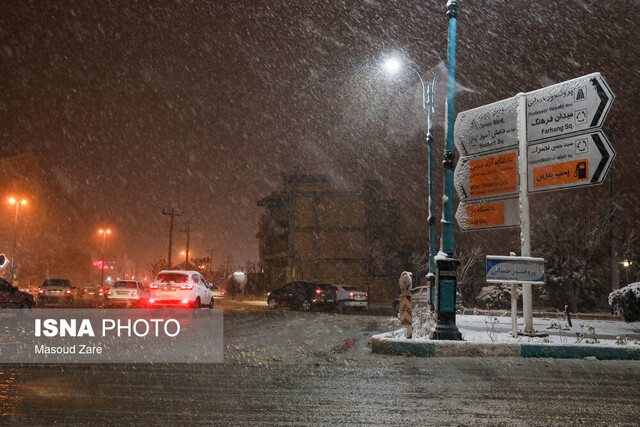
133, 107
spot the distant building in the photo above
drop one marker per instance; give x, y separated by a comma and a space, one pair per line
312, 230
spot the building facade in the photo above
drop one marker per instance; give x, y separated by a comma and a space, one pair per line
312, 230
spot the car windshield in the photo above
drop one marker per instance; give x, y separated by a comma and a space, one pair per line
127, 285
172, 278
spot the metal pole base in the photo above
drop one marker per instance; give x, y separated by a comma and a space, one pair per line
446, 332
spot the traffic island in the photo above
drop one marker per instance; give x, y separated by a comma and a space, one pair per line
386, 344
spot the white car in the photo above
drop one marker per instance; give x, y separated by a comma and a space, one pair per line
349, 296
180, 288
127, 293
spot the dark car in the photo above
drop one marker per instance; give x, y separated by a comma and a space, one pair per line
302, 295
92, 295
11, 297
56, 291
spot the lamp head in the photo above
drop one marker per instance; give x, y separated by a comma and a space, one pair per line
392, 65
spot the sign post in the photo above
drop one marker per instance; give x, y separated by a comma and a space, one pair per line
553, 136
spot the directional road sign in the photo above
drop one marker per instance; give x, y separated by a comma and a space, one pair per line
517, 270
483, 215
488, 128
575, 161
570, 107
486, 176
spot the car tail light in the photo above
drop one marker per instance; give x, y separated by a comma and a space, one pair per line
366, 294
101, 291
186, 287
151, 301
350, 294
68, 292
41, 291
318, 291
153, 286
134, 293
185, 301
85, 291
108, 292
336, 292
222, 293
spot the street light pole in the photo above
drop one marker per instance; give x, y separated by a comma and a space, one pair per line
172, 213
104, 240
446, 263
15, 234
427, 104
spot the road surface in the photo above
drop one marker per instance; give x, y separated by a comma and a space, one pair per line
293, 368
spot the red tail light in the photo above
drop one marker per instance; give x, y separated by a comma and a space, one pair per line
222, 293
68, 292
134, 293
366, 294
318, 291
108, 292
101, 291
336, 292
185, 301
153, 286
151, 301
186, 287
350, 294
85, 291
41, 291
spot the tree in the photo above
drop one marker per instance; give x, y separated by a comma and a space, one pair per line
571, 236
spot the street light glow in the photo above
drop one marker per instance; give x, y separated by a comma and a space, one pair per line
13, 201
392, 65
102, 231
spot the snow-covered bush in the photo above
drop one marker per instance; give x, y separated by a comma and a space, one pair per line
423, 321
495, 297
626, 302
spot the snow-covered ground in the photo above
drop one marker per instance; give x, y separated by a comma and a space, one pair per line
497, 329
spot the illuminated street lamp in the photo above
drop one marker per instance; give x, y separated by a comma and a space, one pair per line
104, 233
14, 201
393, 65
626, 264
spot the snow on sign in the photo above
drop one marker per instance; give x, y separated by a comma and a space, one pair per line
488, 128
488, 176
515, 270
565, 108
579, 160
484, 215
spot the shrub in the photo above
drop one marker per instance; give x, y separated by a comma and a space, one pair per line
496, 297
626, 302
233, 287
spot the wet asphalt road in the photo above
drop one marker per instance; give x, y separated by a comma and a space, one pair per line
291, 368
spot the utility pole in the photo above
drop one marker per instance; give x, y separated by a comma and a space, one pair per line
211, 251
172, 213
187, 230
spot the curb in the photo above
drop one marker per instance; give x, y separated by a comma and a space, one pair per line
396, 347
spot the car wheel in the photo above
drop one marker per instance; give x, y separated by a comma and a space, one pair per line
196, 303
306, 305
272, 303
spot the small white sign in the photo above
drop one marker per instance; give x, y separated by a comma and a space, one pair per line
516, 270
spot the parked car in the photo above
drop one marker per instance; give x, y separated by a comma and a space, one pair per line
302, 295
56, 292
217, 292
350, 296
11, 297
420, 297
332, 295
127, 293
180, 288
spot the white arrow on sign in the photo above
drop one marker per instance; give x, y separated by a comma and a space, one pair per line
485, 215
488, 128
575, 161
573, 106
487, 176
